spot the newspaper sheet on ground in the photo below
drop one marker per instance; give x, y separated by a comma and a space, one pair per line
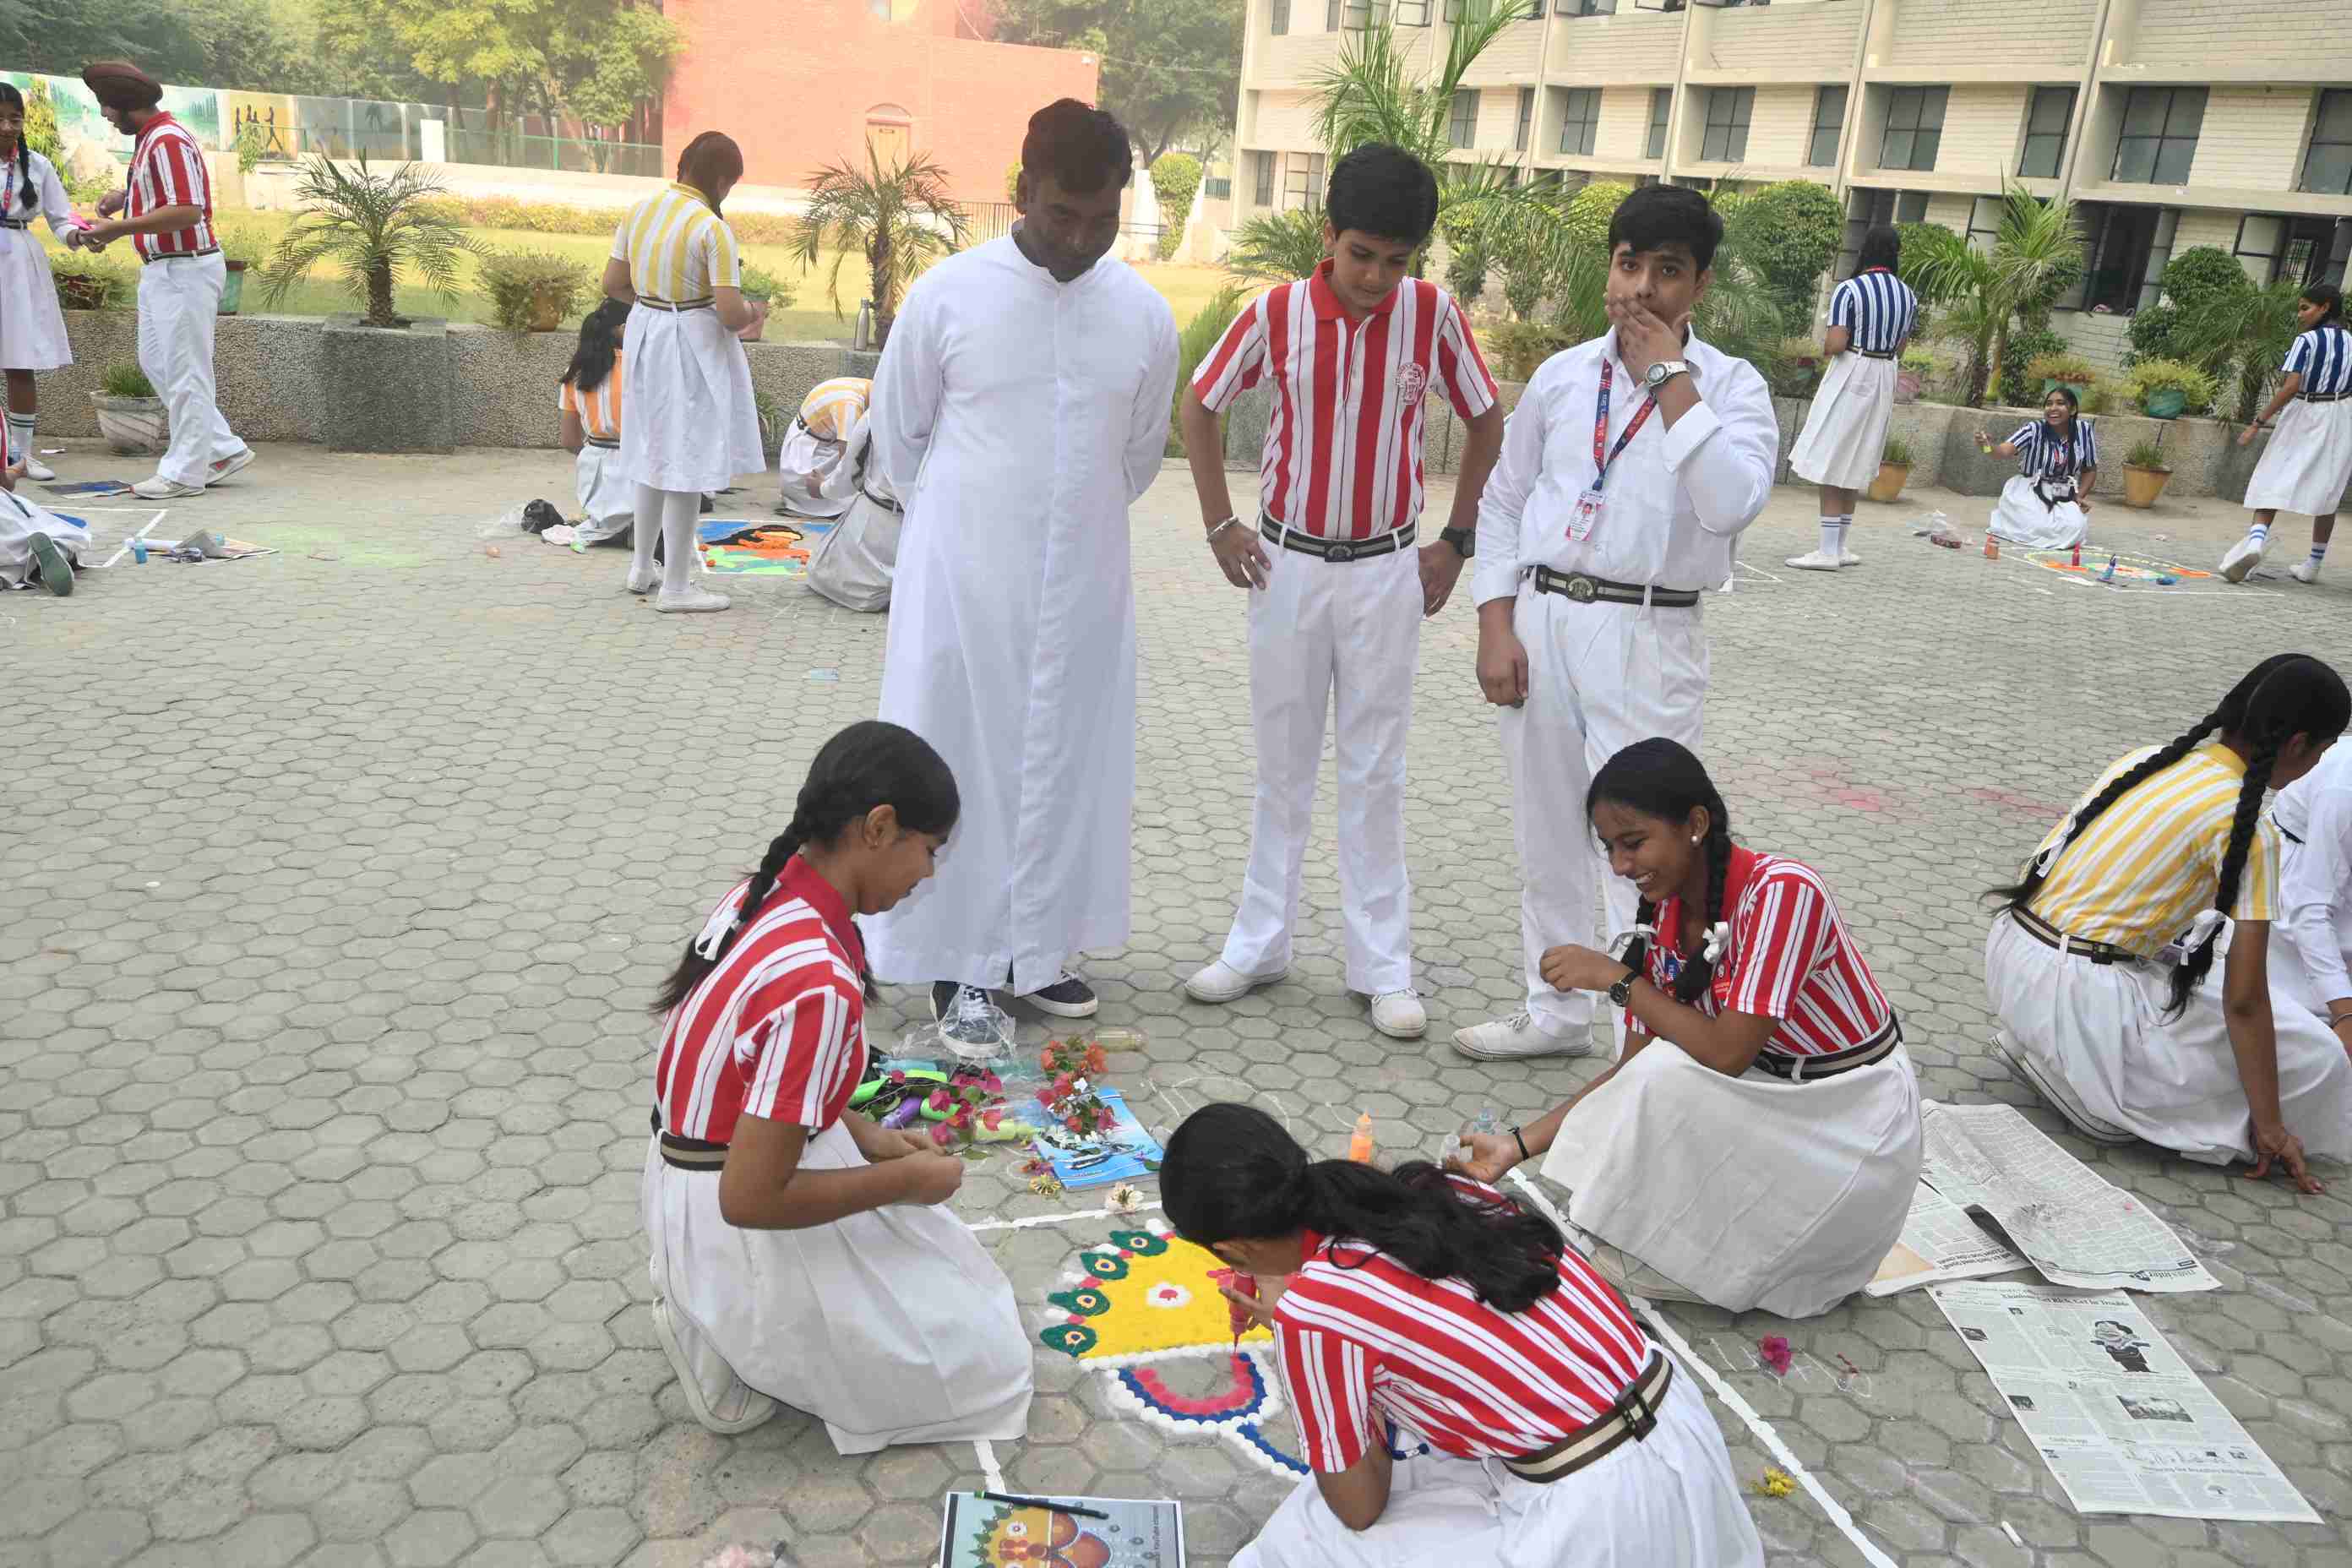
2122, 1421
2076, 1227
1940, 1243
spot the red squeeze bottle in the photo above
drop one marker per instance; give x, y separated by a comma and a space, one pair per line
1238, 1315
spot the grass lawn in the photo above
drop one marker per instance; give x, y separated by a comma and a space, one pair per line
810, 317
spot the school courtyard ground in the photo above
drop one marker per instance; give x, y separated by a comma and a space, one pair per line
336, 882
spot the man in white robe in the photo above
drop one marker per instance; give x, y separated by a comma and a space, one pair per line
1020, 406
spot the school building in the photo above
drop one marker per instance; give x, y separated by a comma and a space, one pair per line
2173, 122
802, 83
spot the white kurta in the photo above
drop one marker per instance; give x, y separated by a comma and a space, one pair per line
1844, 437
1019, 418
32, 327
2020, 518
1669, 1501
20, 519
2308, 462
2097, 1031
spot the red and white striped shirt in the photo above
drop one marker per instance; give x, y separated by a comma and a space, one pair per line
1342, 457
167, 170
1790, 958
778, 1029
1359, 1336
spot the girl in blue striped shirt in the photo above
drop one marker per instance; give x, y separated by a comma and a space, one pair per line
1871, 317
2047, 504
2309, 460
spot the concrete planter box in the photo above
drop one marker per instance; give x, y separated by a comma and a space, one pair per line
385, 389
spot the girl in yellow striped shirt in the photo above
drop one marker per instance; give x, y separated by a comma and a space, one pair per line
2171, 845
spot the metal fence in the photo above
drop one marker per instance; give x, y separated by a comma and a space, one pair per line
585, 155
994, 220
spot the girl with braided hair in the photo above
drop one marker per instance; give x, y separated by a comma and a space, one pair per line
2172, 845
1757, 1144
1550, 1428
31, 328
801, 1253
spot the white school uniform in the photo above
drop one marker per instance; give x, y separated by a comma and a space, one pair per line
1845, 429
892, 1325
1602, 676
607, 502
827, 470
2311, 938
689, 424
814, 467
32, 327
20, 520
1342, 465
181, 278
2037, 506
2308, 462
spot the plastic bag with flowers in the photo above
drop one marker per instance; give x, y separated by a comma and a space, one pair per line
969, 1112
1094, 1138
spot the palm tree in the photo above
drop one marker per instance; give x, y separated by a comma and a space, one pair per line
1277, 247
2037, 246
2248, 330
370, 225
899, 219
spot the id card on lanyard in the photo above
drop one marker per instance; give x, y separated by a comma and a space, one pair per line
1585, 516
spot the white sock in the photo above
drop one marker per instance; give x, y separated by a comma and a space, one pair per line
2318, 554
2259, 533
648, 530
679, 510
1833, 536
18, 447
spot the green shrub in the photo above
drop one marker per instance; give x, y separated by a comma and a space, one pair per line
1588, 211
2146, 454
1278, 247
1788, 232
2200, 275
2100, 396
759, 283
2070, 368
1013, 181
123, 379
1896, 453
1200, 335
2154, 376
1792, 367
1518, 347
1467, 261
2020, 386
520, 285
1176, 180
242, 242
86, 283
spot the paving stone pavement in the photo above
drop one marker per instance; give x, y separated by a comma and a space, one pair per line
337, 882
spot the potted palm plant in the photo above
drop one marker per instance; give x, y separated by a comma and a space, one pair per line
130, 416
897, 219
531, 291
2146, 474
1894, 470
2164, 388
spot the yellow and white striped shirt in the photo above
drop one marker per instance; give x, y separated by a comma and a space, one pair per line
677, 247
2140, 873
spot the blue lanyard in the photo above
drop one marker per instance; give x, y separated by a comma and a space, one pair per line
1601, 425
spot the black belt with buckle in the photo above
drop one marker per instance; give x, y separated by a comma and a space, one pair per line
1338, 550
16, 223
2322, 397
688, 1153
886, 505
1630, 1420
674, 306
1829, 1064
1587, 589
612, 444
2049, 935
1876, 353
181, 255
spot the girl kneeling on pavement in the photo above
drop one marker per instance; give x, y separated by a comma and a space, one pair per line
2171, 844
1757, 1144
1560, 1434
803, 1255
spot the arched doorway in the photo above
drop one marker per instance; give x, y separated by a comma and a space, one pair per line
890, 135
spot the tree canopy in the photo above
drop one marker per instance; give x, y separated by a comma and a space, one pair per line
1170, 68
593, 58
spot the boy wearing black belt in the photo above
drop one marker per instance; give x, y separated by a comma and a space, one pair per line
1337, 587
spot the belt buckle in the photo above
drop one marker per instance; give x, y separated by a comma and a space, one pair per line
1581, 588
1341, 553
1642, 1418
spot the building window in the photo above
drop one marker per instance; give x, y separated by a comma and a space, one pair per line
1526, 117
1412, 13
1468, 10
2298, 248
2045, 132
1579, 120
2327, 167
1915, 128
1984, 223
1535, 10
1462, 119
1302, 182
1866, 209
1279, 17
1828, 119
1727, 111
2160, 137
1661, 104
1587, 7
2128, 257
1263, 197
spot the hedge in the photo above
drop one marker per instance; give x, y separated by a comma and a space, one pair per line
559, 217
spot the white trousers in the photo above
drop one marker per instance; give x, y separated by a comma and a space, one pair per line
179, 301
1600, 677
1325, 633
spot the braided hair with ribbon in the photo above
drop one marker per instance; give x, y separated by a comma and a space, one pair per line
1661, 778
27, 197
870, 764
2286, 695
1233, 1173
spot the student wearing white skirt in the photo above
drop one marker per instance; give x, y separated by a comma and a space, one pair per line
1871, 317
800, 1254
2047, 504
826, 469
589, 401
31, 328
2308, 463
1563, 1436
1757, 1144
689, 424
2171, 844
38, 549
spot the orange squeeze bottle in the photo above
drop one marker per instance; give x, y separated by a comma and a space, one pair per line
1359, 1144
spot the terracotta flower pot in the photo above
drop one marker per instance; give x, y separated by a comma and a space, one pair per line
546, 311
1892, 477
2142, 486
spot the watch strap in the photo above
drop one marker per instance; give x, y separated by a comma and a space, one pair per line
1464, 542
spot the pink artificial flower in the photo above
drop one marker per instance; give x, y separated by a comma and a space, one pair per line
991, 1084
938, 1099
1045, 1095
942, 1134
961, 1119
899, 1075
1776, 1353
992, 1119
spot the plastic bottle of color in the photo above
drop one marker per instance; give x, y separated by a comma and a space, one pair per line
1992, 546
1359, 1144
139, 552
2109, 575
2077, 560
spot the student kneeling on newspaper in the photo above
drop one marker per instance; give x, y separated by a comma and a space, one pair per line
1561, 1433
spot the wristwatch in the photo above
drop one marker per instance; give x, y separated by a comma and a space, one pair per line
1666, 370
1464, 542
1622, 994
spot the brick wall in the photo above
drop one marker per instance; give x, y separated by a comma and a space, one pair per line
1785, 39
2309, 38
1628, 46
1981, 130
2037, 36
833, 62
2256, 135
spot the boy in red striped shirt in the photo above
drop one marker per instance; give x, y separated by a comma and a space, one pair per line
1338, 591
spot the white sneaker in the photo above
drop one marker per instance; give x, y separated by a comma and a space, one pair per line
228, 465
690, 601
1515, 1037
1813, 561
1398, 1014
1847, 557
37, 469
157, 488
1221, 982
2242, 558
646, 583
2303, 572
